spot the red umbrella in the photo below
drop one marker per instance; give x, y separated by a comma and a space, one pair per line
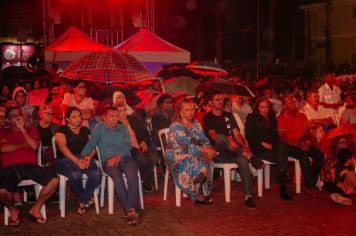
107, 67
326, 142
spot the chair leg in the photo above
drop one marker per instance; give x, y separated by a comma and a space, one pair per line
178, 196
267, 176
24, 196
155, 177
233, 175
111, 195
298, 176
260, 182
6, 216
166, 177
140, 191
62, 195
319, 183
102, 190
96, 201
227, 181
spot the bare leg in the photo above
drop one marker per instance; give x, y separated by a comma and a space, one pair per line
8, 199
46, 192
350, 182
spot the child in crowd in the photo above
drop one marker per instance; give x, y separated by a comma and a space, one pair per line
345, 176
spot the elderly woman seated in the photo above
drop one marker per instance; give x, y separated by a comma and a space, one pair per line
189, 154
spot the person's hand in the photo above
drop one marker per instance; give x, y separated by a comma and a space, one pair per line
81, 164
87, 160
232, 144
209, 152
20, 123
113, 161
143, 146
267, 145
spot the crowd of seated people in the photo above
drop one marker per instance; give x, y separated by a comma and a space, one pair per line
213, 128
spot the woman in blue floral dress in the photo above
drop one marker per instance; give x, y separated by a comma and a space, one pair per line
189, 154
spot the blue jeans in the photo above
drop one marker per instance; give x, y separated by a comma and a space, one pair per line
128, 197
74, 174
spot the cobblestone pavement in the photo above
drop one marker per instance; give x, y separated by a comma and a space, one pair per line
302, 216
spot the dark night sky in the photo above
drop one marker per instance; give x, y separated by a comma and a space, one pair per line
179, 25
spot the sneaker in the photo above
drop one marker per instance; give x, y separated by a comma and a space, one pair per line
147, 188
337, 198
250, 203
311, 192
285, 194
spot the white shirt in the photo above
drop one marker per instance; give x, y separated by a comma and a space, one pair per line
330, 96
86, 103
242, 111
312, 114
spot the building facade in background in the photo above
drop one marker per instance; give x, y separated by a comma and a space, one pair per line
330, 32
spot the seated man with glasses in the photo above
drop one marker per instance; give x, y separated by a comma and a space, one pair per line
78, 99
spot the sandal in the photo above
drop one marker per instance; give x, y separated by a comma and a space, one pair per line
206, 201
14, 223
90, 203
38, 219
81, 210
132, 217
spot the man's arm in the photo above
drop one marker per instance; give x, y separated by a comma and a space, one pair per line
12, 147
30, 141
239, 139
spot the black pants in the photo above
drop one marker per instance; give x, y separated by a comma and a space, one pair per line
279, 156
310, 171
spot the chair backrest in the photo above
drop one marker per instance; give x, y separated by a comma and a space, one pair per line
163, 134
54, 147
99, 159
149, 125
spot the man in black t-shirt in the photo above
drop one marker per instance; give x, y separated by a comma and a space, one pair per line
222, 130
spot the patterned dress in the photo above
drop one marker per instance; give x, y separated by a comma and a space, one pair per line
184, 159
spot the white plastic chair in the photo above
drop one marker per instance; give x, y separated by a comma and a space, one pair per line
62, 187
111, 187
162, 134
149, 128
297, 173
38, 189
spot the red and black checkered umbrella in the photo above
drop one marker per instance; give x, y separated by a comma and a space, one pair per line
107, 67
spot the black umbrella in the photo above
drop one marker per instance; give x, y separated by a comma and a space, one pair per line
16, 72
175, 70
225, 87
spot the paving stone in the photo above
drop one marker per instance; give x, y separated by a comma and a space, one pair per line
302, 216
